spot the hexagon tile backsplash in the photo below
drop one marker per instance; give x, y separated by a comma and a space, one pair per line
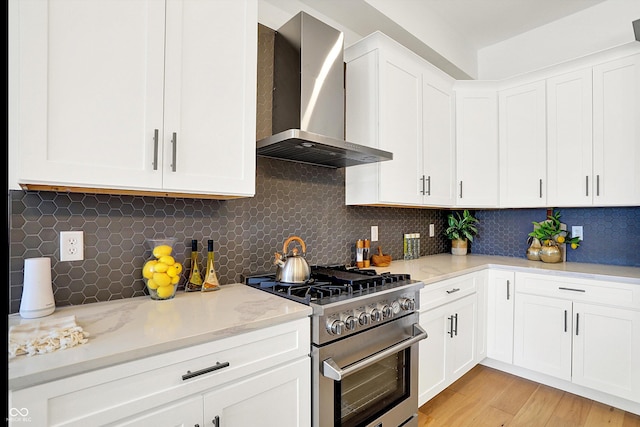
291, 199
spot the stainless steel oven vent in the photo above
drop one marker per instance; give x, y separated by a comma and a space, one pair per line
308, 98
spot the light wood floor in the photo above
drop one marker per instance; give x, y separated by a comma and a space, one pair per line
486, 397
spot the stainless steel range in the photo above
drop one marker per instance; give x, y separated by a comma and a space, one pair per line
364, 344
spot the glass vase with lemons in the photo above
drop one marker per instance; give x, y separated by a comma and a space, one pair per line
162, 272
547, 235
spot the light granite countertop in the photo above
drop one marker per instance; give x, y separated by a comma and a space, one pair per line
133, 328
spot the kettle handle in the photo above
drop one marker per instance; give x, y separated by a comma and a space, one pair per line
291, 239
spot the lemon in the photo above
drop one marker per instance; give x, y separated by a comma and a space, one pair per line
172, 271
162, 250
165, 291
162, 279
160, 267
151, 284
178, 267
560, 239
175, 280
167, 259
148, 269
574, 246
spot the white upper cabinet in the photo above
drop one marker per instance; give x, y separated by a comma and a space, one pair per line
569, 139
476, 144
523, 147
616, 132
135, 96
397, 102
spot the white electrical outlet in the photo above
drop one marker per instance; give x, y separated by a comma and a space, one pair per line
71, 246
432, 230
374, 233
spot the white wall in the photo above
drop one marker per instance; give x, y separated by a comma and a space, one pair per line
600, 27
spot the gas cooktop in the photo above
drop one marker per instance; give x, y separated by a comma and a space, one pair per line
331, 284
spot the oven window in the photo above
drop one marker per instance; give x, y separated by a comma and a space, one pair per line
370, 392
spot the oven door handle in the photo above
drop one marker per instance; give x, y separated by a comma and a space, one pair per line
330, 368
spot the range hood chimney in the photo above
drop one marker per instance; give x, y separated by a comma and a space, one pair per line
308, 98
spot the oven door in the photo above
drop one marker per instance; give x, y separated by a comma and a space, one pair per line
369, 379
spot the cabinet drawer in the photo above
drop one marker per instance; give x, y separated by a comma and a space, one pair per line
120, 391
445, 291
585, 290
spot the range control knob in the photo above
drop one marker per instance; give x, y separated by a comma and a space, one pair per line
335, 327
386, 310
350, 322
407, 304
376, 315
363, 318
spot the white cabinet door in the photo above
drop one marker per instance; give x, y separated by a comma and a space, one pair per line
449, 351
616, 132
462, 344
432, 375
185, 413
279, 397
500, 304
542, 335
437, 139
90, 92
606, 350
569, 139
523, 153
400, 129
210, 97
476, 147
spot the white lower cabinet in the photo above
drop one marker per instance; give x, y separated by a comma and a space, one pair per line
583, 331
448, 313
500, 303
261, 377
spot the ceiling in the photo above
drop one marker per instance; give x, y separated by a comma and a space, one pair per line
473, 24
486, 22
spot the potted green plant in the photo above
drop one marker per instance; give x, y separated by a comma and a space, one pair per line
546, 236
461, 229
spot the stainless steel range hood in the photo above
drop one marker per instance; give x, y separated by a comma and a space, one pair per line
308, 98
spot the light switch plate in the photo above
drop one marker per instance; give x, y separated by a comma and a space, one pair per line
374, 233
432, 230
576, 231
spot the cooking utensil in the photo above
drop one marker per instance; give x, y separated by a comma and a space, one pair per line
292, 268
380, 260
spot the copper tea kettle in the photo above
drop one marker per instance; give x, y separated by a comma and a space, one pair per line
292, 268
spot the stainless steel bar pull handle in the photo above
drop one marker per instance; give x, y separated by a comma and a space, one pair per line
216, 421
174, 142
508, 295
456, 321
597, 185
565, 320
562, 288
217, 366
453, 290
429, 185
461, 189
450, 332
577, 323
330, 368
422, 191
541, 188
155, 149
587, 185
